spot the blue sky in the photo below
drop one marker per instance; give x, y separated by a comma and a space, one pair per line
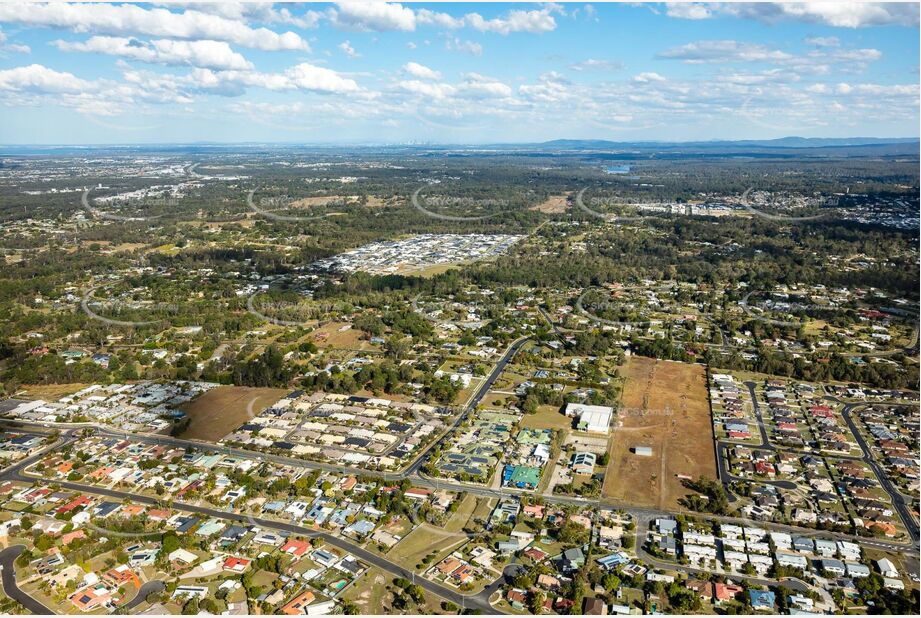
375, 72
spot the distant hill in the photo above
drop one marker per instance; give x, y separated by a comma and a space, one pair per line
783, 142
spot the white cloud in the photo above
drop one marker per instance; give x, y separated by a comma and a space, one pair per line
841, 13
441, 20
468, 47
823, 41
860, 56
12, 47
126, 19
428, 89
376, 16
537, 22
304, 76
724, 51
878, 89
551, 88
38, 78
476, 86
373, 16
421, 71
348, 50
687, 10
594, 64
645, 78
208, 54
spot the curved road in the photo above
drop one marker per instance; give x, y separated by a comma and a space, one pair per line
144, 591
898, 501
476, 601
11, 588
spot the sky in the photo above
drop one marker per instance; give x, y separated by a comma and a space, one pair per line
455, 73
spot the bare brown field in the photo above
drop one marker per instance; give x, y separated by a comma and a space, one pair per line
329, 336
554, 205
48, 392
223, 409
665, 406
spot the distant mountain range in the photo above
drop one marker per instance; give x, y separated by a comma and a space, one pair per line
784, 148
783, 142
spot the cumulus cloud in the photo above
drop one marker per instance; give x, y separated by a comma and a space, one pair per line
421, 71
468, 47
723, 51
594, 64
126, 19
537, 21
842, 14
208, 54
348, 50
373, 16
12, 47
687, 10
440, 20
40, 79
550, 88
391, 16
823, 41
645, 78
474, 86
303, 76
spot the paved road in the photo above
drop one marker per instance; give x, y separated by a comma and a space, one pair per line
478, 601
765, 442
471, 404
11, 588
898, 501
421, 481
144, 591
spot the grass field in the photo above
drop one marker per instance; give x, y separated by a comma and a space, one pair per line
546, 417
460, 517
48, 392
329, 336
223, 409
422, 541
665, 406
371, 595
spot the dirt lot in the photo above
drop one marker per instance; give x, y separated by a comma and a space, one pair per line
223, 409
554, 205
329, 336
373, 595
665, 407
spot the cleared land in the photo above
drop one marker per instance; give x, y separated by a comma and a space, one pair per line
554, 205
546, 417
48, 392
223, 409
422, 541
462, 515
665, 407
329, 336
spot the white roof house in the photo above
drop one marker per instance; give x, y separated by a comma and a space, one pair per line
887, 568
591, 418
